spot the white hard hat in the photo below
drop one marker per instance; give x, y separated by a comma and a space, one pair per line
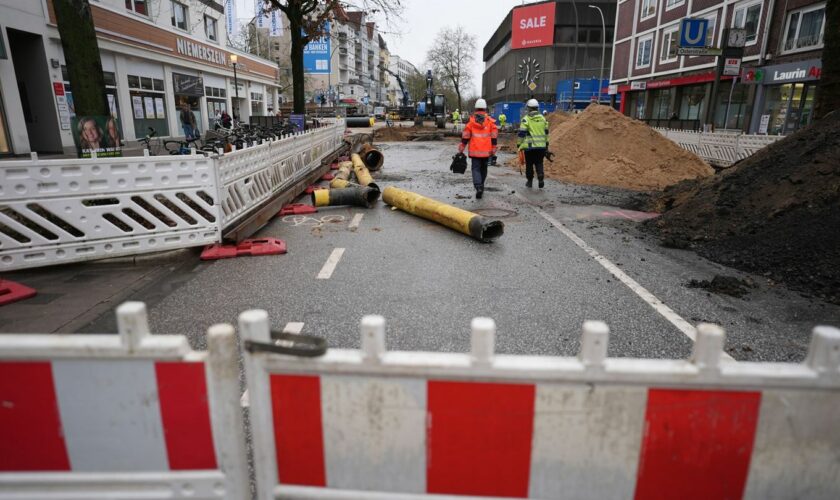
481, 104
532, 103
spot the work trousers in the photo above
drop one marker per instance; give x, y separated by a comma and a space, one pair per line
534, 159
479, 172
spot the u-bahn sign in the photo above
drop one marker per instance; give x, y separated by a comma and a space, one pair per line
693, 38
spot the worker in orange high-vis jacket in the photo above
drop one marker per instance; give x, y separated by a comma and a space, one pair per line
480, 137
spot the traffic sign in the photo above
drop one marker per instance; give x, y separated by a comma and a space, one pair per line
693, 32
732, 66
532, 86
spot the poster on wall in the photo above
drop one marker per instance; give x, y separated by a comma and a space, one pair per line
137, 103
150, 107
765, 122
316, 54
97, 134
159, 112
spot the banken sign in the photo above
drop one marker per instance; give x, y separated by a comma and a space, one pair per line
693, 32
533, 26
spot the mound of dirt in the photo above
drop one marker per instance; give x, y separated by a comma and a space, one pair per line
776, 213
603, 147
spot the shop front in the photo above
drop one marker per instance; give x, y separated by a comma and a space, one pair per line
188, 91
785, 96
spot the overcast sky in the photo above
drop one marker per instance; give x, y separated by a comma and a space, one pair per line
412, 36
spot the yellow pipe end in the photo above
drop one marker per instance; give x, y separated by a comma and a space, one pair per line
321, 197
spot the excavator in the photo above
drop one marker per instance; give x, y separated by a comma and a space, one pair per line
434, 105
406, 111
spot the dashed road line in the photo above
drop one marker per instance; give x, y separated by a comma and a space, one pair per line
329, 266
354, 223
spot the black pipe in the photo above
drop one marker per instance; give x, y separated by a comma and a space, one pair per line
360, 196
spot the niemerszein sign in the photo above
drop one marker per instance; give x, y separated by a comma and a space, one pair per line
200, 52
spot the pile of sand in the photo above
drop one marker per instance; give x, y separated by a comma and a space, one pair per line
603, 147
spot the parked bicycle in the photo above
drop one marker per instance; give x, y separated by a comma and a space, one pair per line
182, 147
151, 142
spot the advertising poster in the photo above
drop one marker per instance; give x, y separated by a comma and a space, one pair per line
316, 54
298, 121
159, 112
533, 26
99, 134
137, 103
150, 106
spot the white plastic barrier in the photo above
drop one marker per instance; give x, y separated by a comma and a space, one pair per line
130, 416
721, 149
378, 424
61, 211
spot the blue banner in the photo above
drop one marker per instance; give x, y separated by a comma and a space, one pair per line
316, 54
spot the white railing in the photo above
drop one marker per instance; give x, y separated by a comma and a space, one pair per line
72, 210
720, 149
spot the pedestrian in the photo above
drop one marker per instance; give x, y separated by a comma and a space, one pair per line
456, 118
480, 137
187, 122
217, 119
533, 140
227, 121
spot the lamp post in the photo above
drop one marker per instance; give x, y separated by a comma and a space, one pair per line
574, 60
603, 49
233, 59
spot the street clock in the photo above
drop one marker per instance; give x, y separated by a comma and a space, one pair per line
737, 37
528, 71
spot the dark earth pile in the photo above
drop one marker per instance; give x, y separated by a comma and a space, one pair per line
776, 213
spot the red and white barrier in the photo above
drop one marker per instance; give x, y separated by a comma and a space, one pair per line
129, 416
377, 424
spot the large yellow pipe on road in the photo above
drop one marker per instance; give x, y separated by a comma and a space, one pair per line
345, 168
452, 217
362, 173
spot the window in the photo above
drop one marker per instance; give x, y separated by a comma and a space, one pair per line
670, 39
147, 105
256, 103
747, 16
138, 6
643, 50
179, 15
670, 4
805, 28
215, 92
210, 28
648, 8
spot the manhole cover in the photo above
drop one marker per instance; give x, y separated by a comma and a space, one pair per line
496, 213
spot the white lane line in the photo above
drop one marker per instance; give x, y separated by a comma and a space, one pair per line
354, 223
659, 306
291, 327
329, 265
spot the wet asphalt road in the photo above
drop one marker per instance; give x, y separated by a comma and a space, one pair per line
429, 281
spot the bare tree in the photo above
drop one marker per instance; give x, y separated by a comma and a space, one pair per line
451, 57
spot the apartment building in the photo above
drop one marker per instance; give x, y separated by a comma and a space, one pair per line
156, 56
775, 90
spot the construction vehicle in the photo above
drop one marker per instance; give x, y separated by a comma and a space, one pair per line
434, 105
406, 111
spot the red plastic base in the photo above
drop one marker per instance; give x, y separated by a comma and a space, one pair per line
297, 209
253, 248
327, 177
342, 158
311, 189
333, 166
13, 292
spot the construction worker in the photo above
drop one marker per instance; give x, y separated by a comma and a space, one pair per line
502, 120
533, 140
480, 137
456, 118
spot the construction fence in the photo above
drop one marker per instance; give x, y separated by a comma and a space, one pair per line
136, 415
71, 210
720, 149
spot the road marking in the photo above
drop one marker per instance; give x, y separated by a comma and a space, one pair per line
329, 266
354, 223
659, 306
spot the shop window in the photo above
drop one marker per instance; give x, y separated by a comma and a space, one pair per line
643, 50
747, 16
660, 104
670, 39
179, 15
733, 106
210, 26
805, 29
138, 6
648, 9
147, 105
691, 102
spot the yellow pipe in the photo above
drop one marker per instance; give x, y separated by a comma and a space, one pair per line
345, 168
321, 197
452, 217
362, 172
360, 196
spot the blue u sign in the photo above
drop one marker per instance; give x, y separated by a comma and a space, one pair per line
693, 32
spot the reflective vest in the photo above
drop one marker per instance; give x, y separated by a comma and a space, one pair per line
502, 118
533, 132
456, 117
481, 136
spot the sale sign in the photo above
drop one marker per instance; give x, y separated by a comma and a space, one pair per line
533, 26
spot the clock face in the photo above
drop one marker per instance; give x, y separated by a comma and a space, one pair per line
528, 71
737, 37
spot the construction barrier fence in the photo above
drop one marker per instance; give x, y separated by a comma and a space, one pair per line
720, 149
145, 416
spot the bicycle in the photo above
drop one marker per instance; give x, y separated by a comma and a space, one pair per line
151, 142
185, 147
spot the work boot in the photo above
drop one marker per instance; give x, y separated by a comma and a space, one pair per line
542, 183
479, 193
529, 183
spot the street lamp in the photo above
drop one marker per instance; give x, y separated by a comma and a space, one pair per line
233, 59
603, 49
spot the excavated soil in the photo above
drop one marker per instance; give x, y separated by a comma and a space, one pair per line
401, 134
603, 147
776, 213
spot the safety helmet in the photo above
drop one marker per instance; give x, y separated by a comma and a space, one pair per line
532, 103
481, 104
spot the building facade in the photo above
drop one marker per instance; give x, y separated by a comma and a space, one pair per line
578, 47
404, 69
775, 90
156, 58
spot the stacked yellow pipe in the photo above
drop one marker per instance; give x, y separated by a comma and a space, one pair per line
362, 173
452, 217
342, 177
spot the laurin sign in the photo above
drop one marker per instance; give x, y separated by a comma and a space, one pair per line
201, 52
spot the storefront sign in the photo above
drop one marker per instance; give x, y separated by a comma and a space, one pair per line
801, 71
612, 89
638, 85
501, 85
765, 122
200, 52
533, 26
188, 85
316, 54
659, 84
732, 66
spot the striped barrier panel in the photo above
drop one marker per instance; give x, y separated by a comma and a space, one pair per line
120, 416
721, 149
374, 424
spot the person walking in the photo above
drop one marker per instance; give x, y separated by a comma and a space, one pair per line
188, 122
480, 137
532, 139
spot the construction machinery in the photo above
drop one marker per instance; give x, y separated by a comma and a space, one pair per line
433, 107
405, 111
